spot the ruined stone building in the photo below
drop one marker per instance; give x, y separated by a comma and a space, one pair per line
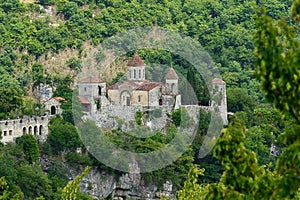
37, 126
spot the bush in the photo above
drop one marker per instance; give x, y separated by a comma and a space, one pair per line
138, 117
74, 64
176, 116
46, 2
76, 159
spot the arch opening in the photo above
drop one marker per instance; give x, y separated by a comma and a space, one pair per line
41, 130
24, 130
53, 110
99, 90
160, 102
35, 130
125, 98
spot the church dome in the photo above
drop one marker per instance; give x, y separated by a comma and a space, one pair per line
171, 75
136, 61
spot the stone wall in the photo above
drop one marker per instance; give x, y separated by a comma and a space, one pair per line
154, 96
144, 99
114, 116
11, 129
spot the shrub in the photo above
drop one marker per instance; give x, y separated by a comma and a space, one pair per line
138, 117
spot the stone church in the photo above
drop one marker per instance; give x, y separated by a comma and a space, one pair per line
138, 91
135, 91
125, 98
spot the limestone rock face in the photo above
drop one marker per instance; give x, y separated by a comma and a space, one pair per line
99, 185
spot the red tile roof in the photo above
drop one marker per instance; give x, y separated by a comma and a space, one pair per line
171, 75
148, 86
135, 61
59, 99
133, 83
83, 100
91, 79
218, 81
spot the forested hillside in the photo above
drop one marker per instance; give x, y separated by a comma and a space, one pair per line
31, 35
45, 42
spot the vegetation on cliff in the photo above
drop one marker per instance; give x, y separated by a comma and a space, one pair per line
31, 36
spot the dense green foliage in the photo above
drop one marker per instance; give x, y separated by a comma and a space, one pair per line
225, 29
277, 49
63, 137
30, 147
71, 190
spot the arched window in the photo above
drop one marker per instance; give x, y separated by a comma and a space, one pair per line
24, 130
160, 102
41, 130
35, 130
30, 130
99, 90
53, 110
125, 98
172, 87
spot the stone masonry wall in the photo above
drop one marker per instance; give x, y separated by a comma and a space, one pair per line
11, 129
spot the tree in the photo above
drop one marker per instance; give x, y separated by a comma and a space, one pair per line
46, 2
5, 194
277, 52
74, 64
68, 9
63, 136
239, 100
70, 192
191, 190
10, 93
38, 74
30, 147
33, 182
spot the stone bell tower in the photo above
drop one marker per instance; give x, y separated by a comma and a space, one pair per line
171, 83
136, 68
219, 87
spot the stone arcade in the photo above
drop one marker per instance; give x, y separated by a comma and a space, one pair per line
37, 126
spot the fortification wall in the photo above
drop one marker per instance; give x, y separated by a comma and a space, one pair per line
193, 111
114, 116
111, 116
37, 126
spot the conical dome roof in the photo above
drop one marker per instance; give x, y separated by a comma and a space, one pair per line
171, 75
135, 61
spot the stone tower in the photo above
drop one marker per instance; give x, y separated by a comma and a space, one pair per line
220, 101
136, 68
171, 84
91, 90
